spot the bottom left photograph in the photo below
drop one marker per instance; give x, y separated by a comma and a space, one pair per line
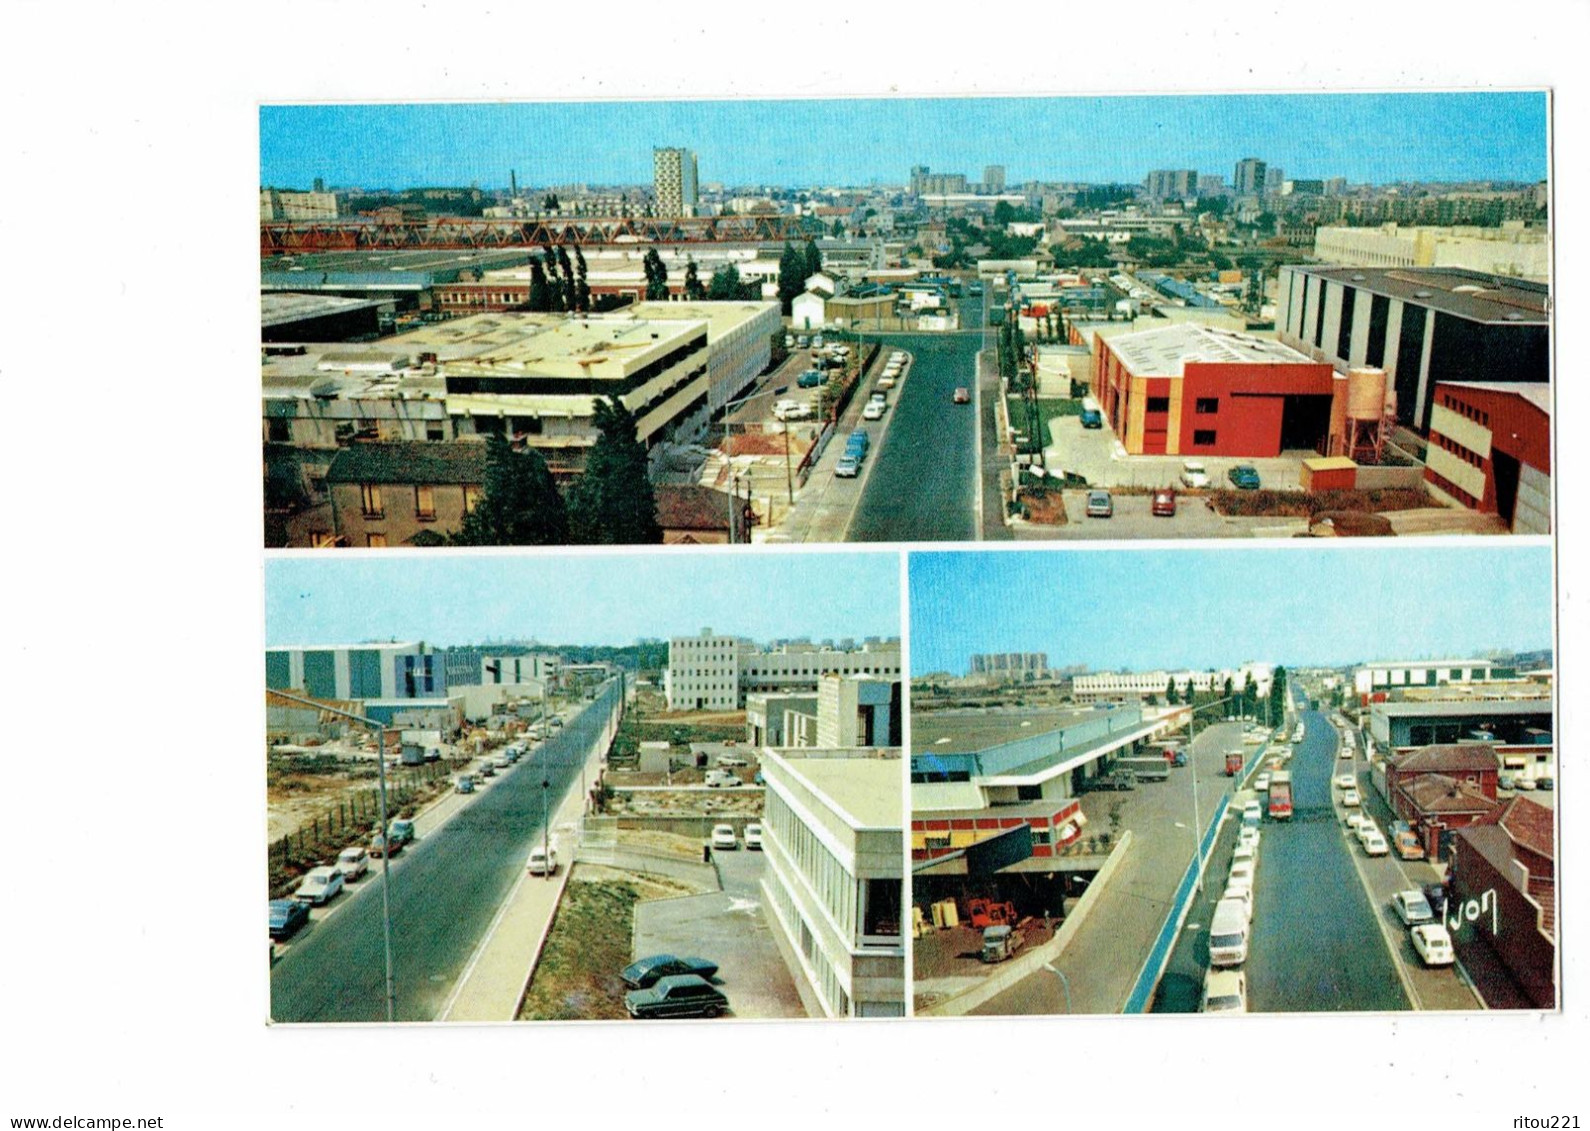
560, 787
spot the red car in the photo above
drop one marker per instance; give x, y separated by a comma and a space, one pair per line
1165, 503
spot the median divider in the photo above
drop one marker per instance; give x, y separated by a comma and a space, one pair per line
1025, 965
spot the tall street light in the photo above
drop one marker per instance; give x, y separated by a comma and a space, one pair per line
386, 851
1198, 825
546, 836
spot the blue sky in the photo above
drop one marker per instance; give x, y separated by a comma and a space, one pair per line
1373, 138
579, 599
1211, 608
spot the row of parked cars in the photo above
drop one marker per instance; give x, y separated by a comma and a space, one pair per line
325, 882
490, 766
723, 837
857, 445
1225, 986
662, 985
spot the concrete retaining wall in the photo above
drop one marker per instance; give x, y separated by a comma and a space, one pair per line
1384, 478
1024, 965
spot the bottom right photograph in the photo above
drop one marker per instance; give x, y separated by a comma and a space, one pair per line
1283, 780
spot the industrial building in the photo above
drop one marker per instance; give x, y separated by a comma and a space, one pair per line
1511, 250
834, 881
1012, 665
288, 317
357, 671
1421, 326
1519, 730
1490, 451
1374, 679
711, 672
1502, 902
404, 279
1096, 687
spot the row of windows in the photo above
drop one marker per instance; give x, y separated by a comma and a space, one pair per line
833, 886
1453, 489
1466, 410
1451, 446
373, 505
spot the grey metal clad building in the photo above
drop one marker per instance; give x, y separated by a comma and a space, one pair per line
1421, 325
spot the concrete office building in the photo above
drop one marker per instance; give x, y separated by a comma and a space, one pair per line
1376, 679
711, 672
1248, 179
674, 181
1422, 326
356, 671
857, 711
774, 718
1171, 184
1490, 451
834, 884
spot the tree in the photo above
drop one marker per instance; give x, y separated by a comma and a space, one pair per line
726, 285
1250, 697
612, 503
656, 276
791, 276
694, 291
814, 259
1278, 697
540, 293
582, 290
520, 504
1229, 707
1171, 697
838, 229
566, 274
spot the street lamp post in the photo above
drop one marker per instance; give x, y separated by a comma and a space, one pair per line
546, 835
386, 853
1065, 982
1198, 826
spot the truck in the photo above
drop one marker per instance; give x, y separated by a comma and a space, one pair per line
1233, 763
1145, 769
1280, 795
982, 912
999, 943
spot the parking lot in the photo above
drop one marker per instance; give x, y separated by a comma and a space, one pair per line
730, 928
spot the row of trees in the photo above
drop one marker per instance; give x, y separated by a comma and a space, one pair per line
556, 284
795, 266
611, 504
725, 286
1239, 702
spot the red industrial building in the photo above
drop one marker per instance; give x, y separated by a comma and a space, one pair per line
1195, 390
1490, 450
1437, 789
1502, 905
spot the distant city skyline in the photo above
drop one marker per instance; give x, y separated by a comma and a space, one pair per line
580, 599
1121, 610
1366, 138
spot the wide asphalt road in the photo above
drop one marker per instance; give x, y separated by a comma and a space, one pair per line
924, 487
445, 891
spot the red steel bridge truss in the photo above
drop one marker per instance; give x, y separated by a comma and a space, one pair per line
455, 233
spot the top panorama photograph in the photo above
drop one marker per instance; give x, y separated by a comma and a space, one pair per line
905, 320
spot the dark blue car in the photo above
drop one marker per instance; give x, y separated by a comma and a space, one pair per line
287, 916
648, 971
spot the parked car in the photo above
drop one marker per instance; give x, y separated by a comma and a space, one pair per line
719, 779
1194, 474
1548, 784
1248, 852
1225, 991
1351, 798
1100, 505
732, 760
502, 762
723, 837
1506, 781
486, 769
286, 917
848, 467
1252, 810
963, 395
1244, 477
353, 862
1524, 784
464, 783
1435, 896
402, 830
1433, 944
678, 995
379, 846
1164, 505
1243, 894
1412, 908
873, 411
753, 836
810, 379
320, 885
1248, 834
1241, 873
543, 861
1375, 844
646, 972
1092, 418
1347, 781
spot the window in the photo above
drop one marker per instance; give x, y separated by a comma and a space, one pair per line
471, 498
1157, 404
1207, 406
375, 540
281, 430
1203, 437
370, 497
434, 433
425, 502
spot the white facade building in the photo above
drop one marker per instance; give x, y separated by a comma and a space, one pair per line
674, 181
1140, 685
710, 672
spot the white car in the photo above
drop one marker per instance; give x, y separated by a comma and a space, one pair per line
1262, 783
1524, 784
753, 836
1412, 908
1225, 991
1351, 798
1194, 474
1252, 811
319, 886
732, 760
1248, 834
1241, 873
723, 837
873, 411
1347, 781
847, 467
791, 410
1433, 944
353, 862
1246, 852
502, 761
720, 779
1374, 844
1242, 894
543, 861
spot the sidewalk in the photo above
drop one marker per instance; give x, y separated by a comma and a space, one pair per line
491, 984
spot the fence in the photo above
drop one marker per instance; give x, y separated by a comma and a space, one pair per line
351, 819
